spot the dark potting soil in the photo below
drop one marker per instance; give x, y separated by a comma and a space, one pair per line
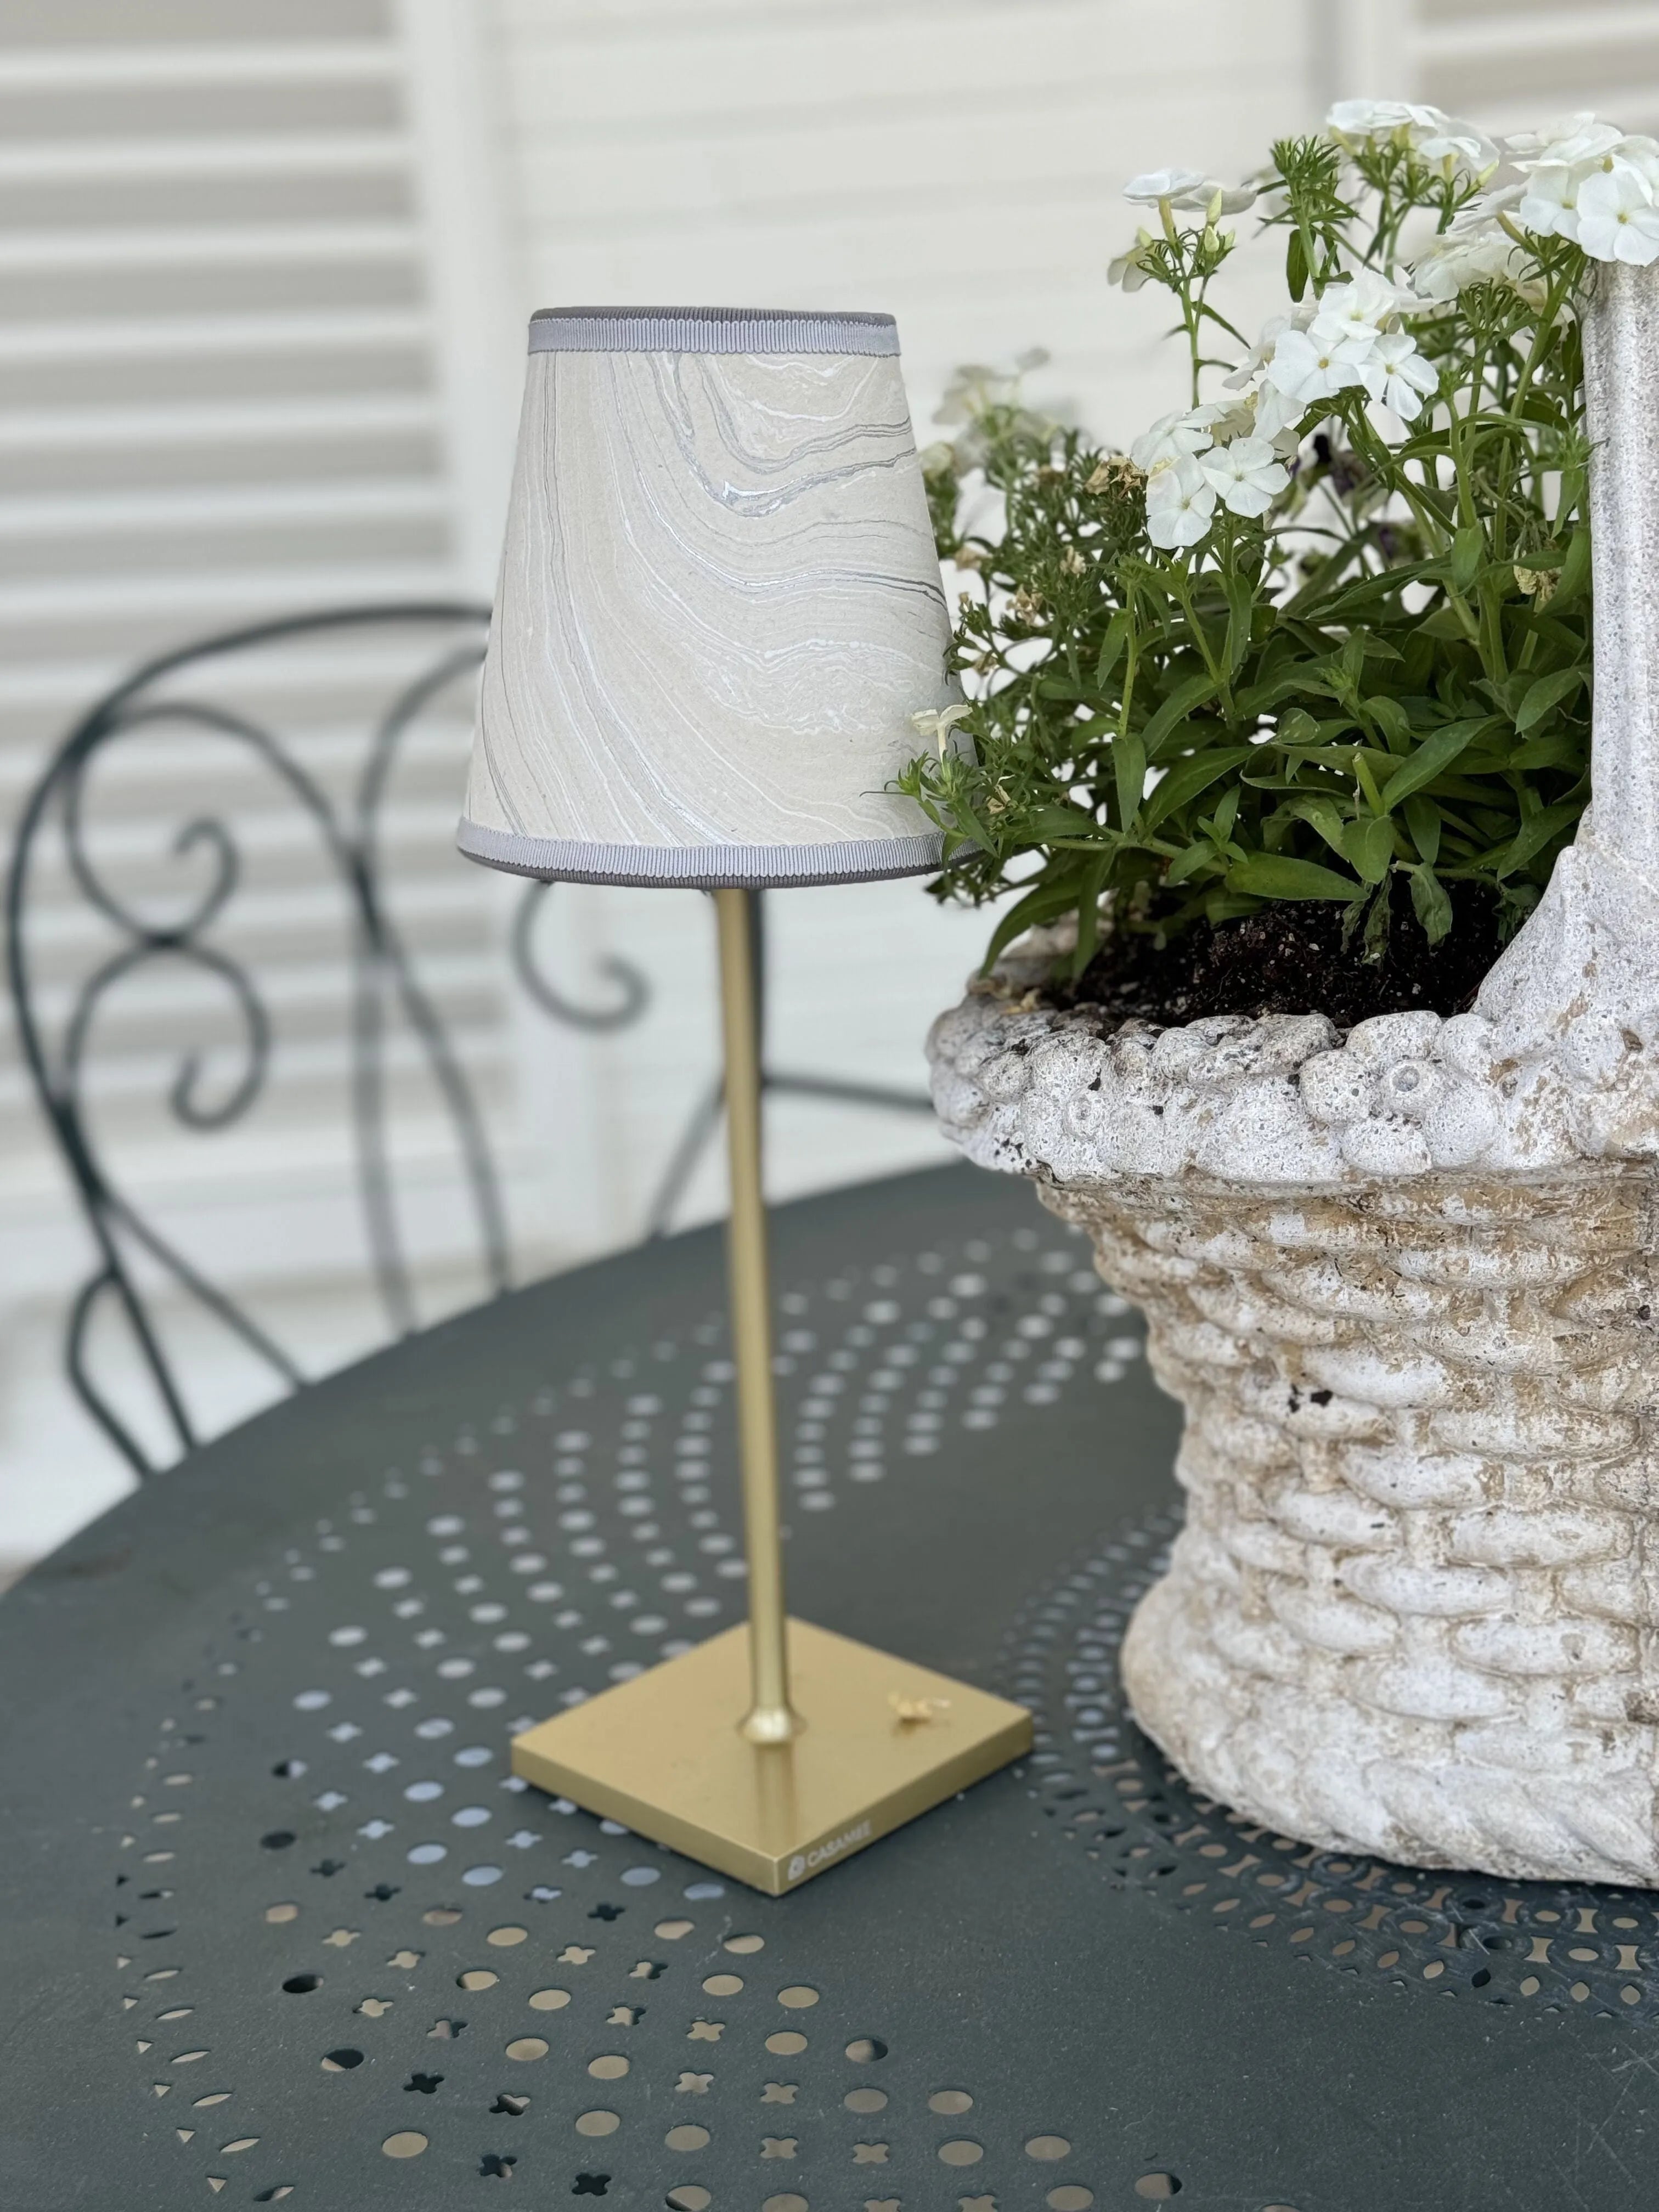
1289, 959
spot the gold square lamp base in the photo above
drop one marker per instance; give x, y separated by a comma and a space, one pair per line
883, 1741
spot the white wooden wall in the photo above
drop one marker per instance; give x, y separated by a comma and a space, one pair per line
264, 266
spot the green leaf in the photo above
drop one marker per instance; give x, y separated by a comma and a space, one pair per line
1320, 814
1468, 554
1049, 899
1368, 848
1423, 819
1241, 606
1186, 779
1434, 755
1129, 761
1575, 573
1274, 875
1188, 863
1429, 902
1195, 692
1391, 717
1536, 832
1112, 645
1547, 692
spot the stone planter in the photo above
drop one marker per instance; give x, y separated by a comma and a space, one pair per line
1402, 1281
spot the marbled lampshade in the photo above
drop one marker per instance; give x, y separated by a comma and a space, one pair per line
719, 606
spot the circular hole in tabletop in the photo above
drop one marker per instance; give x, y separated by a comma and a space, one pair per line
672, 1930
866, 2100
950, 2100
502, 1938
686, 2138
441, 1915
476, 1978
610, 2067
1070, 2197
276, 1839
527, 2047
1157, 2186
785, 2043
549, 2000
597, 2124
961, 2151
863, 2050
798, 1996
408, 2142
277, 1914
785, 2204
300, 1986
745, 1944
341, 2061
722, 1985
1046, 2147
691, 2197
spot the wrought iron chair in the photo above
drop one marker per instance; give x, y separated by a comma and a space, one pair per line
439, 646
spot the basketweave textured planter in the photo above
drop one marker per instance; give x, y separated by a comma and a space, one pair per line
1402, 1280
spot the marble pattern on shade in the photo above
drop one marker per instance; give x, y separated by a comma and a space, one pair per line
719, 606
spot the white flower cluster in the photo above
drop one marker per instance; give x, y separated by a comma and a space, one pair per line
1579, 179
1592, 183
1207, 454
1235, 452
1458, 148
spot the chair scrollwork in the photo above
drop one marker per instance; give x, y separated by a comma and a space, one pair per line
443, 641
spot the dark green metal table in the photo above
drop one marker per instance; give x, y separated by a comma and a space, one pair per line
280, 1925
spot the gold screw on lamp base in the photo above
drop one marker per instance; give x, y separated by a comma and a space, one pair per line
839, 1743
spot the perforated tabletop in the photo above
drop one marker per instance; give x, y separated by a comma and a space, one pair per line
281, 1926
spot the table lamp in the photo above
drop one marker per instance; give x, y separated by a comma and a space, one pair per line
719, 607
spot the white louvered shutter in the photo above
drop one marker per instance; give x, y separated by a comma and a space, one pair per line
249, 364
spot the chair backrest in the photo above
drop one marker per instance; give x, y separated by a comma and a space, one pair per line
371, 677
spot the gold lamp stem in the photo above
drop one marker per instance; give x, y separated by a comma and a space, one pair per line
770, 1717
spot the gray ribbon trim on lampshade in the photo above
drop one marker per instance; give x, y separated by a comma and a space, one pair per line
709, 330
703, 867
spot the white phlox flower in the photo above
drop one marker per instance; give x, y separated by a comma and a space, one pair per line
1368, 119
1437, 137
1189, 189
1573, 139
1618, 219
1549, 204
1155, 185
1246, 475
1398, 376
1352, 315
1458, 147
1261, 352
1173, 438
1180, 503
1641, 154
1475, 248
937, 722
1129, 268
1544, 142
1227, 419
1275, 417
1306, 368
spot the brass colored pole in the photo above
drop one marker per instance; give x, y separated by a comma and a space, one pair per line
770, 1718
